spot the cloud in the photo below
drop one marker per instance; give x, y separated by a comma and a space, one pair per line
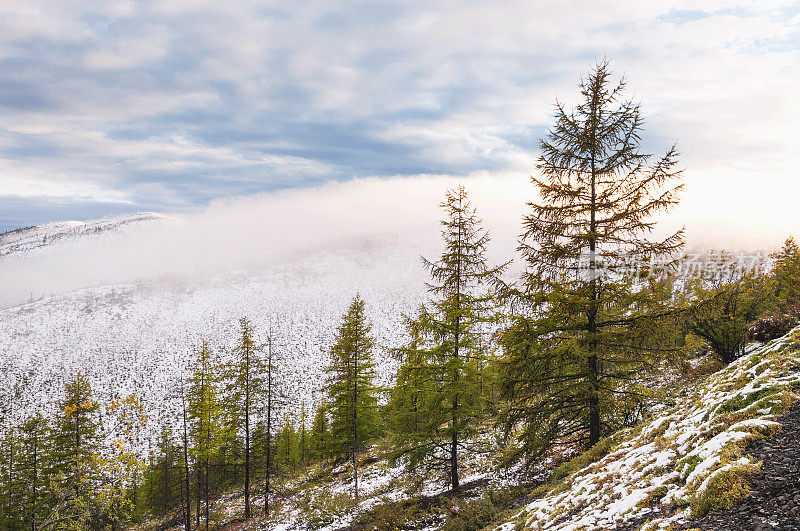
172, 104
267, 230
397, 216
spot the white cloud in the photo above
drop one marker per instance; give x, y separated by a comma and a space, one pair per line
183, 88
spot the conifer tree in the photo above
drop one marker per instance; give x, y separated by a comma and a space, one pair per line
786, 274
187, 500
286, 447
351, 389
583, 327
302, 440
247, 388
205, 414
437, 403
319, 432
10, 486
72, 460
33, 449
411, 386
271, 400
163, 480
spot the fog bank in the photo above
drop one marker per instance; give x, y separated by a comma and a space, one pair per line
397, 215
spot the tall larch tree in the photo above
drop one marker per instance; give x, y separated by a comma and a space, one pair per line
246, 391
438, 399
786, 274
583, 326
205, 415
33, 449
319, 432
72, 461
352, 393
270, 400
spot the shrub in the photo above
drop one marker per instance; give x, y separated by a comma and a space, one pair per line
472, 515
723, 490
688, 464
741, 401
654, 496
722, 315
595, 453
391, 515
327, 506
774, 325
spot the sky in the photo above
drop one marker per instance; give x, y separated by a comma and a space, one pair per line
109, 107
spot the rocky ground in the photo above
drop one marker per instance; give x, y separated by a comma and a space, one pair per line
774, 501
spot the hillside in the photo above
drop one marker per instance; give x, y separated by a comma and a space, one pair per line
29, 238
689, 457
697, 456
138, 336
689, 460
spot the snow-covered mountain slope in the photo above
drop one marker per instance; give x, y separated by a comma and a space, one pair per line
139, 336
689, 460
29, 238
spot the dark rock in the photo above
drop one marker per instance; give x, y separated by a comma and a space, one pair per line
774, 503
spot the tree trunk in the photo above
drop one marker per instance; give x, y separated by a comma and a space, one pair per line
594, 397
454, 480
247, 438
35, 474
188, 514
269, 427
199, 492
355, 420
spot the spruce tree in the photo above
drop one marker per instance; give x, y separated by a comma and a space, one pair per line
352, 393
438, 404
583, 327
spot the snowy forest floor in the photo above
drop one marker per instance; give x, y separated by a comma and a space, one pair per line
711, 440
774, 500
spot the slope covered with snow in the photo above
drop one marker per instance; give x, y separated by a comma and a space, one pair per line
684, 462
29, 238
139, 336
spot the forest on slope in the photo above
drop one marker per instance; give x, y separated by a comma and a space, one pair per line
534, 370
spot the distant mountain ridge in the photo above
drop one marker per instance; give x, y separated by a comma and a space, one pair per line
27, 238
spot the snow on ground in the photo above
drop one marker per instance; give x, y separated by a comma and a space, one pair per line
139, 337
29, 238
667, 463
321, 498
